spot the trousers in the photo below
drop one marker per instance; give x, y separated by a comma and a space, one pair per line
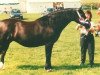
87, 43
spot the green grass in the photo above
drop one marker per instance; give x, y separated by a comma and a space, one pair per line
21, 60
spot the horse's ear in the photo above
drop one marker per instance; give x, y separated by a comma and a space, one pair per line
80, 8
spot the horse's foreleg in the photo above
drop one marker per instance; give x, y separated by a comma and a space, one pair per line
48, 52
3, 53
2, 60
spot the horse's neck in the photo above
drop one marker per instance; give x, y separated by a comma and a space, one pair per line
62, 22
61, 27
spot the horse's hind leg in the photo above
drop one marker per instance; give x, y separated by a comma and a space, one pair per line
48, 52
3, 53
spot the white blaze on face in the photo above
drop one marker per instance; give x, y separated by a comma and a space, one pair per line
1, 65
78, 14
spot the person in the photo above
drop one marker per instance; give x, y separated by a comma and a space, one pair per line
5, 10
86, 38
98, 12
97, 30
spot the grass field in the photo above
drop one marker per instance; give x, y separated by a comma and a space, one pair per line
20, 60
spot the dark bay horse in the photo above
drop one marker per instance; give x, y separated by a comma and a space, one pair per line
43, 31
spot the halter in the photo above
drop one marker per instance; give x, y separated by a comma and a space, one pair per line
78, 14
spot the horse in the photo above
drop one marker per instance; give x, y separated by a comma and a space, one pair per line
44, 31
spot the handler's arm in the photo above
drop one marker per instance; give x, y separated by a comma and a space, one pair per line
86, 24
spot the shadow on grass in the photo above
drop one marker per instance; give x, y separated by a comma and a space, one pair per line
29, 67
96, 65
74, 67
25, 19
61, 67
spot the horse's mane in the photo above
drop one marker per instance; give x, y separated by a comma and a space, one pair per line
57, 12
63, 10
47, 17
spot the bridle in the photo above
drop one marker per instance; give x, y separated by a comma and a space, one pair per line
78, 14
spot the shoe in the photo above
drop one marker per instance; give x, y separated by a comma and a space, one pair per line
82, 64
91, 65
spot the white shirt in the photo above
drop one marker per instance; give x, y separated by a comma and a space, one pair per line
83, 30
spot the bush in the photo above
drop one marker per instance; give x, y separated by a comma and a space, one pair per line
88, 6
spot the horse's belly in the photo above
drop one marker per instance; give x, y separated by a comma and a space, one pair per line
28, 43
32, 42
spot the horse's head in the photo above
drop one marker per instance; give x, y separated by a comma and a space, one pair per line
77, 14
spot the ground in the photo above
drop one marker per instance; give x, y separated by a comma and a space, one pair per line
21, 60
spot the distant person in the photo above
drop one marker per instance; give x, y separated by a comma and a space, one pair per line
86, 39
10, 9
5, 10
97, 30
98, 12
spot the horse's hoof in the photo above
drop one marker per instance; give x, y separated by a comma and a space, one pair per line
49, 70
1, 65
